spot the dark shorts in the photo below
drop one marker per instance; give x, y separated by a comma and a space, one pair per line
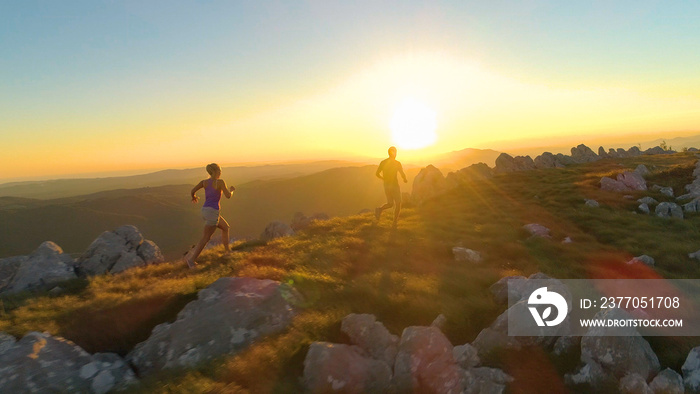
393, 193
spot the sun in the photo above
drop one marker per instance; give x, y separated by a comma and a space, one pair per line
413, 125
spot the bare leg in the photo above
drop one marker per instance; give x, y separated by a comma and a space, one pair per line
206, 236
389, 203
224, 226
397, 211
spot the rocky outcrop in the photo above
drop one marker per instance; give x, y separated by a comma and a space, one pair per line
423, 360
508, 163
592, 203
118, 250
667, 381
276, 229
549, 160
583, 154
657, 150
627, 181
475, 172
43, 363
42, 269
301, 221
228, 316
427, 184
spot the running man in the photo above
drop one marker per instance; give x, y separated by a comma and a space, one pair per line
387, 171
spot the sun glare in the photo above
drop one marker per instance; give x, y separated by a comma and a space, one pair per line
413, 125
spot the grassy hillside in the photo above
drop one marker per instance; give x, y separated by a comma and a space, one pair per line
166, 215
405, 276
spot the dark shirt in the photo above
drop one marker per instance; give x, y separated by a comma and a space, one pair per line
390, 168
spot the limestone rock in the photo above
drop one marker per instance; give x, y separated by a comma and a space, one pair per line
464, 254
666, 191
591, 373
42, 269
632, 180
466, 356
592, 203
425, 363
537, 230
507, 163
667, 381
611, 185
484, 380
118, 250
341, 368
44, 363
566, 344
693, 206
427, 184
634, 383
642, 170
475, 172
228, 316
548, 160
276, 229
669, 209
691, 370
647, 200
619, 355
643, 259
644, 208
583, 154
371, 336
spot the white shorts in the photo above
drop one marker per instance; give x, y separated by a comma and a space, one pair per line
210, 216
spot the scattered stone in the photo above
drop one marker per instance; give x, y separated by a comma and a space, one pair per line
669, 209
567, 240
425, 363
628, 197
684, 196
537, 230
371, 336
634, 383
40, 362
592, 203
501, 290
466, 356
276, 229
118, 250
643, 259
228, 316
667, 381
42, 269
666, 191
642, 170
691, 370
332, 367
694, 255
693, 206
644, 208
427, 184
647, 200
464, 254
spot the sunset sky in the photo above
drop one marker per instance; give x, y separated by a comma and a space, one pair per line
98, 86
